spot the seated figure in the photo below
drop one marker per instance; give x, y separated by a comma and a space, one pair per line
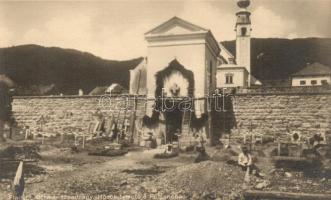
245, 161
244, 158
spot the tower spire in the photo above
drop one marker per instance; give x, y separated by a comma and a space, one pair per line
243, 36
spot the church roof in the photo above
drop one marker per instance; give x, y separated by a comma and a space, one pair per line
178, 29
315, 69
226, 54
176, 21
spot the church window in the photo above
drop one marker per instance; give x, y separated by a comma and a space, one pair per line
302, 82
210, 72
243, 31
313, 82
229, 79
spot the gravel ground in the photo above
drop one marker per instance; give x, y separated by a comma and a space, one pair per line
138, 176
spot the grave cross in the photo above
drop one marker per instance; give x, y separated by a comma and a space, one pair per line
41, 121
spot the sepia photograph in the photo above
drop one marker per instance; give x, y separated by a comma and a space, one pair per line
165, 100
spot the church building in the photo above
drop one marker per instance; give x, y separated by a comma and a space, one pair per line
186, 60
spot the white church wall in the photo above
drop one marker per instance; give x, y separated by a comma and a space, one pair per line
191, 56
211, 60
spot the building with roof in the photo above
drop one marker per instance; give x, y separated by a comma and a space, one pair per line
196, 48
314, 74
185, 61
192, 46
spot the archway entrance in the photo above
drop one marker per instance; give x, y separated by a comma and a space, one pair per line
173, 121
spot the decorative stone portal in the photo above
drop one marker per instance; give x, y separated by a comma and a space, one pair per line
174, 103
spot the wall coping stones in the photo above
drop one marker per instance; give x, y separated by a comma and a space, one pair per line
73, 96
306, 90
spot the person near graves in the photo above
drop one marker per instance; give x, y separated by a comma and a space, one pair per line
245, 161
150, 141
244, 158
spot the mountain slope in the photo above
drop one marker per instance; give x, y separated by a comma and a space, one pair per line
52, 70
274, 59
65, 70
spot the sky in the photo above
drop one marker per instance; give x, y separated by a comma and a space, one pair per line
115, 29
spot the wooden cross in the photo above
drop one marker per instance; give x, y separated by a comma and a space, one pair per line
41, 121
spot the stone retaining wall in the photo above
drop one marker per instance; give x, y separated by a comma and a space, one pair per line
267, 113
277, 114
69, 113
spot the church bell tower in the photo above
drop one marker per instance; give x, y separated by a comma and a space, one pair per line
243, 37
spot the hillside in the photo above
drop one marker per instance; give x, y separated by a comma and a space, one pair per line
52, 70
274, 59
56, 70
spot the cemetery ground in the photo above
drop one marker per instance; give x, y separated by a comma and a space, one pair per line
55, 170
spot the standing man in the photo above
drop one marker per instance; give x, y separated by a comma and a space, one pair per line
5, 102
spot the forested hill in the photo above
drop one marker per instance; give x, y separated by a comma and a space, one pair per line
56, 70
52, 70
274, 59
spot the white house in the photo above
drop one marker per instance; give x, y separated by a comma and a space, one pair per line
312, 75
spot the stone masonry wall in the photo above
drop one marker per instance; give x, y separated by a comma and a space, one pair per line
61, 113
267, 113
276, 114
